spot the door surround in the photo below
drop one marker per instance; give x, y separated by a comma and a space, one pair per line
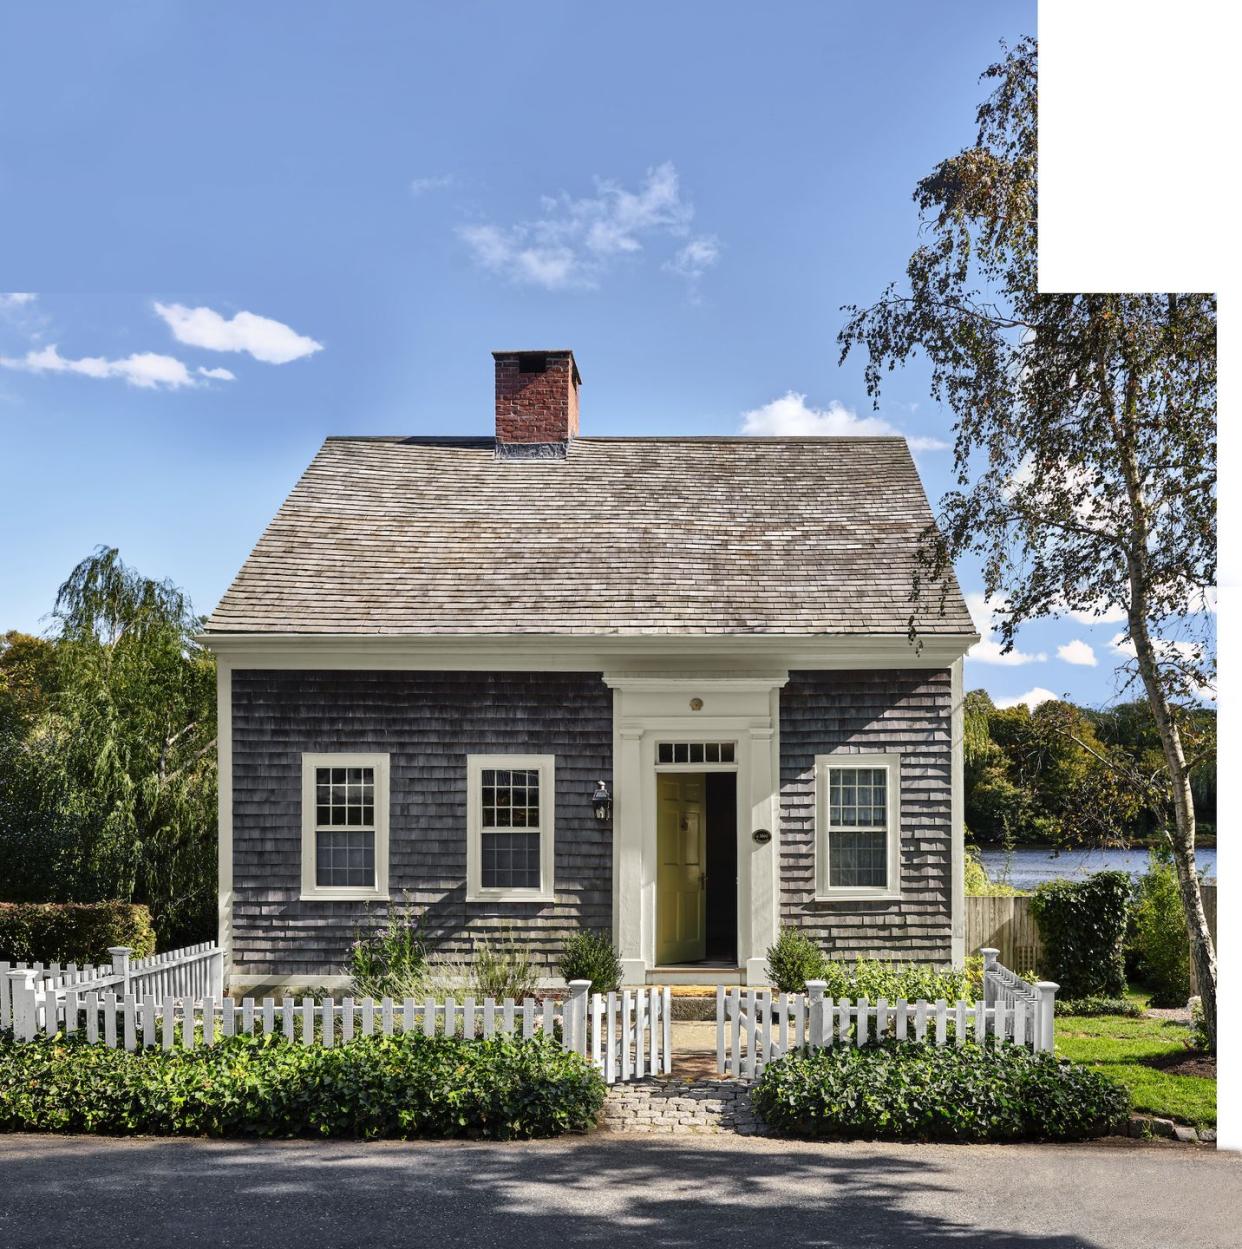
741, 707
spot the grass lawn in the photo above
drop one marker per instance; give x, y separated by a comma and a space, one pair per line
1114, 1045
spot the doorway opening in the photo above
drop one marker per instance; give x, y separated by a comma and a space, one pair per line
696, 886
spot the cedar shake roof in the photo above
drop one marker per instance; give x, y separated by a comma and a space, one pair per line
620, 536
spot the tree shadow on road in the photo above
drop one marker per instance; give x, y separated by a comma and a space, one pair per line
612, 1190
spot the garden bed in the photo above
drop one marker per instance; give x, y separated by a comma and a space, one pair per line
908, 1091
403, 1086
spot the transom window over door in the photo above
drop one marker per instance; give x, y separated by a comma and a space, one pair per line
857, 825
344, 826
694, 752
510, 811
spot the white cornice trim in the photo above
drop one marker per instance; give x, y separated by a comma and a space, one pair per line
645, 653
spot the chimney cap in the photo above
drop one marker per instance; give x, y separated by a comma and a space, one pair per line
548, 352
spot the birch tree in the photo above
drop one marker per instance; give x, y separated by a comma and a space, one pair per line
1085, 439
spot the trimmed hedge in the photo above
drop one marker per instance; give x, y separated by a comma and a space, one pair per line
72, 932
906, 1090
1084, 1006
401, 1087
1082, 925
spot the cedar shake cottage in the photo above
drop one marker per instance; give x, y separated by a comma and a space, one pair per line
536, 682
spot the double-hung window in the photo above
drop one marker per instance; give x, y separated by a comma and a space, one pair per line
344, 826
858, 822
510, 803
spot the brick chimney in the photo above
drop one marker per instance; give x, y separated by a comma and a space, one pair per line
536, 402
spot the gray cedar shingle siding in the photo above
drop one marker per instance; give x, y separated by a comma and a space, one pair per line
428, 722
623, 536
871, 712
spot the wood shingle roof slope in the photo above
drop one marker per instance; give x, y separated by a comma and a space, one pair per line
414, 536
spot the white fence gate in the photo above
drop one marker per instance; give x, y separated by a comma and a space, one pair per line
755, 1026
177, 999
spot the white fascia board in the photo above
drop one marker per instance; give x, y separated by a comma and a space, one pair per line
586, 652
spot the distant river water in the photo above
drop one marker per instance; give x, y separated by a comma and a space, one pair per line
1026, 866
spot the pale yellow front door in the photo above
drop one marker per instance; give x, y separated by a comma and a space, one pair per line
681, 827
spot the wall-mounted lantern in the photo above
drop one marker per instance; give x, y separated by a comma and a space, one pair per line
602, 802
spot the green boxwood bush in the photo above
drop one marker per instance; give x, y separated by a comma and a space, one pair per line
903, 1090
592, 956
1161, 946
1082, 925
72, 932
402, 1086
793, 959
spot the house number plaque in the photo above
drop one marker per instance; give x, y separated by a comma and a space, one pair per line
761, 836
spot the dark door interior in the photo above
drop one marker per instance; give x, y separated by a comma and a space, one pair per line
722, 866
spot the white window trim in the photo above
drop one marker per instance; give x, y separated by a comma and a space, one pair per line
339, 893
546, 765
824, 892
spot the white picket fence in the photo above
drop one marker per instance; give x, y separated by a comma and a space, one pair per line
175, 1000
196, 971
755, 1026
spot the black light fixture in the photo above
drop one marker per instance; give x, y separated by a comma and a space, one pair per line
602, 802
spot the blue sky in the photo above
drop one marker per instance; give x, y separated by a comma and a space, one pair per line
247, 227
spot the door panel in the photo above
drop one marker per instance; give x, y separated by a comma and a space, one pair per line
681, 911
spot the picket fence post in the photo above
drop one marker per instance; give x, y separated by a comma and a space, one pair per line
815, 1004
575, 1035
990, 955
25, 1012
120, 965
1044, 1038
215, 974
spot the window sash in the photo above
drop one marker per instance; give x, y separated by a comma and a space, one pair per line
510, 806
858, 826
344, 826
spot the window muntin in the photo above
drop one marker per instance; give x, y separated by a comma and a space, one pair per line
344, 826
510, 809
695, 752
858, 822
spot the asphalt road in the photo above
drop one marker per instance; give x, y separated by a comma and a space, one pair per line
615, 1191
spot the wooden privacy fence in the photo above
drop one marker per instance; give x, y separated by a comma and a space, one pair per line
1007, 925
625, 1035
755, 1026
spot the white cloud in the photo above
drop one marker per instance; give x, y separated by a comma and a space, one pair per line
273, 342
694, 260
1032, 698
16, 299
1078, 652
790, 416
575, 241
988, 650
144, 369
435, 182
219, 375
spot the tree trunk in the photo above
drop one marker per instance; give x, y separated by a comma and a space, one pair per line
1182, 839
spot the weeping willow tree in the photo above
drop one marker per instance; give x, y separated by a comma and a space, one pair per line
111, 790
1085, 448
